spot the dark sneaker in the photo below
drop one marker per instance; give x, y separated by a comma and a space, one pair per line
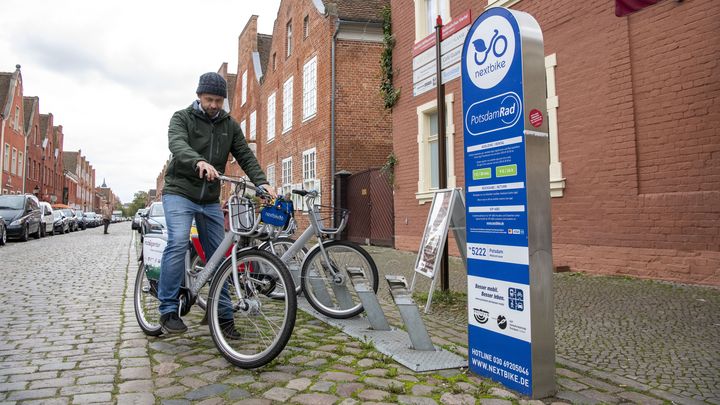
171, 323
228, 330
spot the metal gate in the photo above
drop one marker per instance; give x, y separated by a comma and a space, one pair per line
369, 197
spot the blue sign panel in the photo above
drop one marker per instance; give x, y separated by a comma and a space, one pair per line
496, 198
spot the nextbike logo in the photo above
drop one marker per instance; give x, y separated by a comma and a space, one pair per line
491, 52
493, 114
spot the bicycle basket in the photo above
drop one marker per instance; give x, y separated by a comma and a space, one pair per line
276, 215
325, 214
242, 215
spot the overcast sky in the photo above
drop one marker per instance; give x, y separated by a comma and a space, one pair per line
113, 72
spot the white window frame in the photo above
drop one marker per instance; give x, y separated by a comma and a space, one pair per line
286, 176
13, 162
253, 126
270, 175
243, 127
309, 168
287, 105
271, 117
20, 164
6, 161
425, 192
501, 3
243, 91
17, 118
288, 39
310, 89
422, 16
557, 181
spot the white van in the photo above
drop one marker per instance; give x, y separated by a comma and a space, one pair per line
47, 219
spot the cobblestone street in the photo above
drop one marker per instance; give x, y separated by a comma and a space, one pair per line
68, 334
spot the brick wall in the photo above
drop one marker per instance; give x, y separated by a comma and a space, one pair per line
638, 136
15, 138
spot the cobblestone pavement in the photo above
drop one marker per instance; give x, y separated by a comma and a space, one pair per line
68, 335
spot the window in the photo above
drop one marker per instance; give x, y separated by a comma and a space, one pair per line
426, 12
20, 164
288, 39
428, 157
243, 126
17, 119
310, 88
6, 159
557, 181
306, 27
270, 174
253, 126
273, 62
271, 117
243, 93
310, 180
13, 164
287, 175
287, 104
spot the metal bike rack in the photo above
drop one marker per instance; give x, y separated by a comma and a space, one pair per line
419, 337
371, 305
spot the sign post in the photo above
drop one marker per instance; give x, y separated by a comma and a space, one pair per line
509, 254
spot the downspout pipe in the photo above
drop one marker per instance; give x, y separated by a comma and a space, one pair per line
2, 149
332, 113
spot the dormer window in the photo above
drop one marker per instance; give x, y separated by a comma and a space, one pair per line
288, 39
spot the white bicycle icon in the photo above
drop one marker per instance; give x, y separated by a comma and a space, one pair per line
480, 47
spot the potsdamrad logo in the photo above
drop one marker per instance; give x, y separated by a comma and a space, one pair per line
493, 114
491, 52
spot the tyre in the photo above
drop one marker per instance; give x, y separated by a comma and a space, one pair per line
38, 234
146, 303
25, 233
294, 264
52, 231
43, 230
334, 295
261, 326
3, 235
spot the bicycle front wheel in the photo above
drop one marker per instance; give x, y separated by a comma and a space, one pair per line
146, 303
248, 323
326, 282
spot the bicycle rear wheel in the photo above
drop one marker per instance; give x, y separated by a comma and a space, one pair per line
294, 265
249, 325
146, 303
333, 294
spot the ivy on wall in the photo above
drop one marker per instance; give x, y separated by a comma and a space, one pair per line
389, 92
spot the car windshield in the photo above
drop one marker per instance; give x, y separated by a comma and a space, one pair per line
67, 212
13, 202
90, 214
157, 210
57, 214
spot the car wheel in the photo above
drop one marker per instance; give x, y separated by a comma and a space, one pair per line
26, 233
38, 234
52, 231
3, 235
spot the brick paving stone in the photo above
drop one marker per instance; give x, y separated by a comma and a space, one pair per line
338, 376
135, 373
378, 372
422, 390
365, 363
299, 384
381, 382
163, 369
494, 401
52, 383
254, 401
457, 399
92, 398
279, 394
601, 396
373, 395
94, 379
314, 399
58, 366
136, 386
572, 385
413, 400
135, 362
347, 389
171, 391
48, 401
322, 386
136, 398
499, 392
600, 385
32, 394
274, 376
34, 376
237, 393
576, 398
207, 391
239, 380
640, 398
85, 389
175, 402
15, 386
212, 401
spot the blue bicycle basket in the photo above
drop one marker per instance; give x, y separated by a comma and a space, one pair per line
278, 214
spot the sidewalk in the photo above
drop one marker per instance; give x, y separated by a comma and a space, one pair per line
617, 339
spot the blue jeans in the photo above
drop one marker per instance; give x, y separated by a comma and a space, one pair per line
179, 214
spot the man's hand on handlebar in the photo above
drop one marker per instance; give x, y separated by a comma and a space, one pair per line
207, 171
267, 191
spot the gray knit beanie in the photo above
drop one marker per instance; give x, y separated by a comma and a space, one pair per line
212, 83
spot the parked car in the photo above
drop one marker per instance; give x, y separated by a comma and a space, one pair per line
3, 232
72, 219
48, 218
80, 219
91, 219
153, 221
61, 223
22, 216
137, 220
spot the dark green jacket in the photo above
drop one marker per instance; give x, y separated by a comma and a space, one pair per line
193, 137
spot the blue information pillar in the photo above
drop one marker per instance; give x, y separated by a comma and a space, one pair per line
510, 303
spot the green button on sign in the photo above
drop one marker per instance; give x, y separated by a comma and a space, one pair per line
479, 174
505, 171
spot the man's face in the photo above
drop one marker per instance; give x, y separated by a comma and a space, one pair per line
211, 103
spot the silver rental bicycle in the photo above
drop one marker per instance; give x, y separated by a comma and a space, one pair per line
251, 286
325, 270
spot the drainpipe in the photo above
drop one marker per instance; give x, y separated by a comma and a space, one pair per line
2, 149
332, 114
24, 176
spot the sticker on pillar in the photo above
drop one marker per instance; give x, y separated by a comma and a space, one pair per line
492, 52
536, 118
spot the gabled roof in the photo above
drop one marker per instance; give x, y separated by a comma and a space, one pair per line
231, 80
359, 10
264, 44
5, 79
70, 161
44, 122
29, 108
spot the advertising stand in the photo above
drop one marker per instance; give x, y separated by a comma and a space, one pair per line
508, 223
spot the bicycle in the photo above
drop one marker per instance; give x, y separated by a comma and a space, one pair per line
324, 276
246, 284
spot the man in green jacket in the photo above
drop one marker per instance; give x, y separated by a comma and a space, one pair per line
200, 138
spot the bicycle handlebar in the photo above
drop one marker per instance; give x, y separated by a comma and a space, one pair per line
259, 190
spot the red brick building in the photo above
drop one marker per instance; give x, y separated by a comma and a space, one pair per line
47, 189
33, 147
79, 181
635, 139
284, 99
12, 133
